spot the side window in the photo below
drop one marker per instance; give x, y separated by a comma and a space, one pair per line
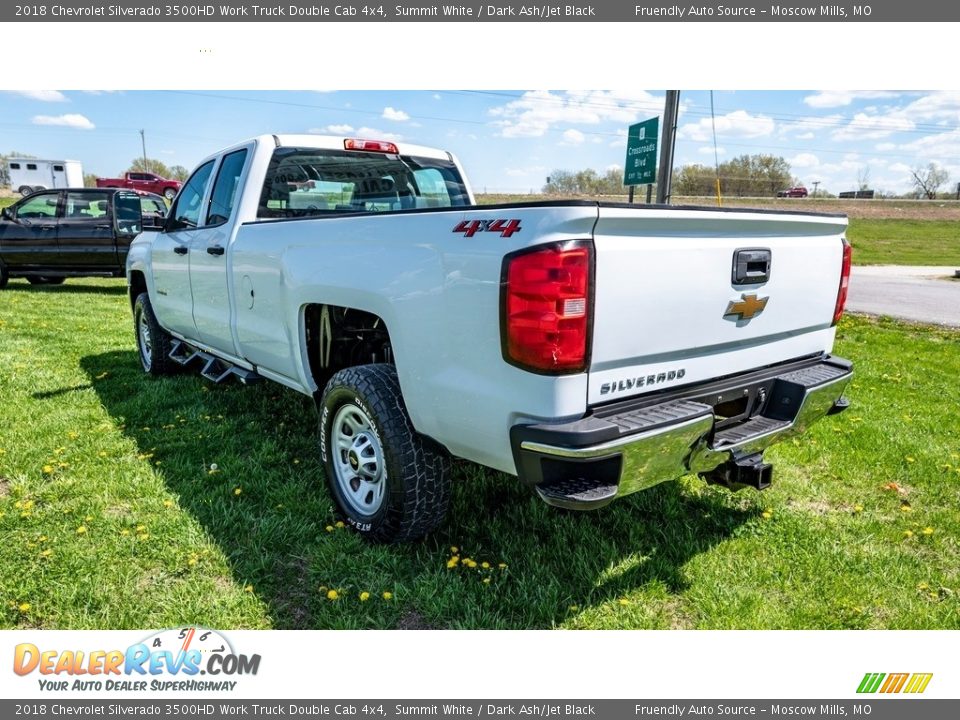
58, 168
31, 166
186, 210
14, 166
128, 214
39, 207
225, 187
86, 206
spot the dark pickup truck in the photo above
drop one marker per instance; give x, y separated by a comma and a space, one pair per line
55, 234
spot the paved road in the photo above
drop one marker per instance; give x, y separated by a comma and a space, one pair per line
920, 294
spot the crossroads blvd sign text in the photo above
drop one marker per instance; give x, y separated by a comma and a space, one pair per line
641, 164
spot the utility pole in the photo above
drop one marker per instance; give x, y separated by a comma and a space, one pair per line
143, 143
667, 142
816, 184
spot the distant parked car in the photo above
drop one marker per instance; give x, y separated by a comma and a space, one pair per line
148, 182
794, 192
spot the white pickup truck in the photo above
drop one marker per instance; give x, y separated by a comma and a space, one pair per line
591, 349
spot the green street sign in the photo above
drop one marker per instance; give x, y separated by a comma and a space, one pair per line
641, 164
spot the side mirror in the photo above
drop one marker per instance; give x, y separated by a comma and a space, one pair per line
6, 214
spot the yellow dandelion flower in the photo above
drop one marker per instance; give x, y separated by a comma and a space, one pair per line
192, 561
141, 528
453, 562
573, 608
910, 459
332, 595
42, 538
102, 453
168, 503
46, 553
23, 607
48, 469
88, 518
928, 531
143, 536
388, 595
248, 588
858, 508
906, 508
502, 566
922, 586
364, 596
454, 550
237, 491
340, 524
124, 532
329, 528
908, 533
624, 601
81, 530
486, 581
485, 565
296, 461
73, 435
470, 563
766, 515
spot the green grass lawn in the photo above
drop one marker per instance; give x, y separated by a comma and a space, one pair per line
905, 242
111, 517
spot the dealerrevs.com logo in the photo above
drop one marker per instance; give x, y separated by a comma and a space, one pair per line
168, 660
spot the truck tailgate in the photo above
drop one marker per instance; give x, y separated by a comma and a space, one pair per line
664, 292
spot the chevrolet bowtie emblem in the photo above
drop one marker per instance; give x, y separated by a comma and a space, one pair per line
746, 307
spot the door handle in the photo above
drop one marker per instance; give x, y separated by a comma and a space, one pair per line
215, 250
181, 249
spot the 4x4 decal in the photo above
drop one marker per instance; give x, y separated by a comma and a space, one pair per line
506, 228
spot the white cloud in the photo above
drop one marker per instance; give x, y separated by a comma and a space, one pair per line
41, 95
739, 124
72, 120
805, 136
536, 112
886, 146
873, 127
332, 130
804, 160
168, 152
900, 168
842, 98
375, 134
390, 113
572, 137
436, 96
708, 150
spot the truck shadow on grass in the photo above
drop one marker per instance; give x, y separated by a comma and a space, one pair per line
266, 507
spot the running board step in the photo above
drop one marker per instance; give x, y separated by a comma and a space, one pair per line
577, 493
214, 369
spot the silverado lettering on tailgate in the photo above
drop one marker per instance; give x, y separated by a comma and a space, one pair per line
641, 381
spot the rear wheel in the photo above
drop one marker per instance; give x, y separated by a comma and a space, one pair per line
25, 190
153, 342
391, 483
45, 280
4, 277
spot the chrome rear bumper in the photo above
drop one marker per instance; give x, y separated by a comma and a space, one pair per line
617, 451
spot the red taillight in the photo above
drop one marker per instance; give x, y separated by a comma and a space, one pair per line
370, 146
546, 308
844, 282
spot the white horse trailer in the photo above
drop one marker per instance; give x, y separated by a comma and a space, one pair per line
30, 175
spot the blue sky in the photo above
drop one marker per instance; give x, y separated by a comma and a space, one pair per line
507, 140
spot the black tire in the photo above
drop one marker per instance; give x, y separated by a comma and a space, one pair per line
416, 491
4, 277
25, 190
154, 359
45, 280
169, 194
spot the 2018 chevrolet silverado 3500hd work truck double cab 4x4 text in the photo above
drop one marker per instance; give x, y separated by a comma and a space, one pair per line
591, 349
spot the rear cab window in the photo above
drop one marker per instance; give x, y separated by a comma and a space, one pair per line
310, 182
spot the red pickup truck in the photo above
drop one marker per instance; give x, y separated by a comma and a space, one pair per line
143, 181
